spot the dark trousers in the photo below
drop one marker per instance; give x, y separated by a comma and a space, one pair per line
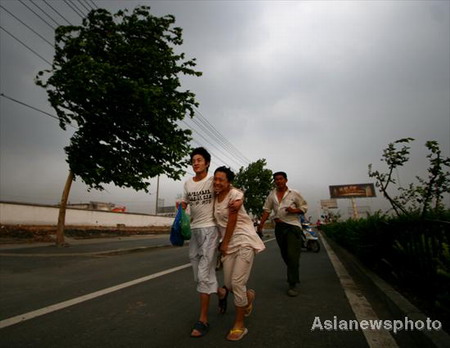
289, 241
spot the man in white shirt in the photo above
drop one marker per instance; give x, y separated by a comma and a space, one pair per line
286, 204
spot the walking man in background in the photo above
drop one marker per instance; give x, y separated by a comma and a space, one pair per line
286, 204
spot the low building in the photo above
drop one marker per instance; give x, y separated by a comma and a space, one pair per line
94, 206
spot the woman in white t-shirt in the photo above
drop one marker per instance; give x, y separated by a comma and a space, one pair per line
239, 245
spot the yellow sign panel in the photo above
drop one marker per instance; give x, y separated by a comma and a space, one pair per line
352, 191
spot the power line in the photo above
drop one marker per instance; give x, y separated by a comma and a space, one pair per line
74, 9
88, 5
84, 6
93, 3
52, 45
218, 139
208, 133
34, 108
29, 106
42, 19
223, 139
56, 11
26, 25
211, 145
37, 54
75, 4
48, 16
213, 157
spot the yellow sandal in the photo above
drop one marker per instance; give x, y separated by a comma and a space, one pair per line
240, 334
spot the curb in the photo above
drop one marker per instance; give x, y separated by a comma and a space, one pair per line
92, 253
131, 250
397, 304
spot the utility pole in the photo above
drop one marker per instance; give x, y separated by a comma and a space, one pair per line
355, 209
157, 195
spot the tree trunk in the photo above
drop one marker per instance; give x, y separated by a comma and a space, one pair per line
62, 211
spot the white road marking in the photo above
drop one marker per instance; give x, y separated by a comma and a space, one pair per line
53, 308
360, 306
30, 315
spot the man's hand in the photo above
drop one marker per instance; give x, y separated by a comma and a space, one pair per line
293, 210
234, 206
223, 248
183, 205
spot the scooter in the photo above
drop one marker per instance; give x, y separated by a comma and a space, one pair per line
310, 239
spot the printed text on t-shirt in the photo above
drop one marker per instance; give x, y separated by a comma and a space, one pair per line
200, 197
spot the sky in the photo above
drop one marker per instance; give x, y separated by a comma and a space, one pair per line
316, 88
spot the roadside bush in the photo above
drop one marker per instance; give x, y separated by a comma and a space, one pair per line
407, 251
362, 237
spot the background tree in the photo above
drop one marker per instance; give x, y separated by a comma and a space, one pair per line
437, 184
394, 158
116, 79
416, 198
256, 181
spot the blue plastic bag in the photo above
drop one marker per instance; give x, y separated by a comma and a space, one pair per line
185, 225
175, 232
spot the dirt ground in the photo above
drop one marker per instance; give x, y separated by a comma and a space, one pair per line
37, 234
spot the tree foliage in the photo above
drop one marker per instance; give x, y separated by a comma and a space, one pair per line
394, 158
424, 197
256, 181
438, 182
116, 78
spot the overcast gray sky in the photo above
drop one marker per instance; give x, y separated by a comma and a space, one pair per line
317, 88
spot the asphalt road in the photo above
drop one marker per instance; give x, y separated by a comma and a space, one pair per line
160, 308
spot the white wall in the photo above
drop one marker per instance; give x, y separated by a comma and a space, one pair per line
29, 214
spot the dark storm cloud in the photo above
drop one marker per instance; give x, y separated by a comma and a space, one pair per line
316, 88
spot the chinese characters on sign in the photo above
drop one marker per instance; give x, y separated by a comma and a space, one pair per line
352, 191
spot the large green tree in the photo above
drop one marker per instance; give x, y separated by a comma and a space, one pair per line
256, 181
116, 79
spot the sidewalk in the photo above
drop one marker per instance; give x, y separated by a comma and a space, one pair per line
88, 247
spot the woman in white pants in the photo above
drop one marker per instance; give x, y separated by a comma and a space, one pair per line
239, 245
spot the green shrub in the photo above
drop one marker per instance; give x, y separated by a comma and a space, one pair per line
411, 252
